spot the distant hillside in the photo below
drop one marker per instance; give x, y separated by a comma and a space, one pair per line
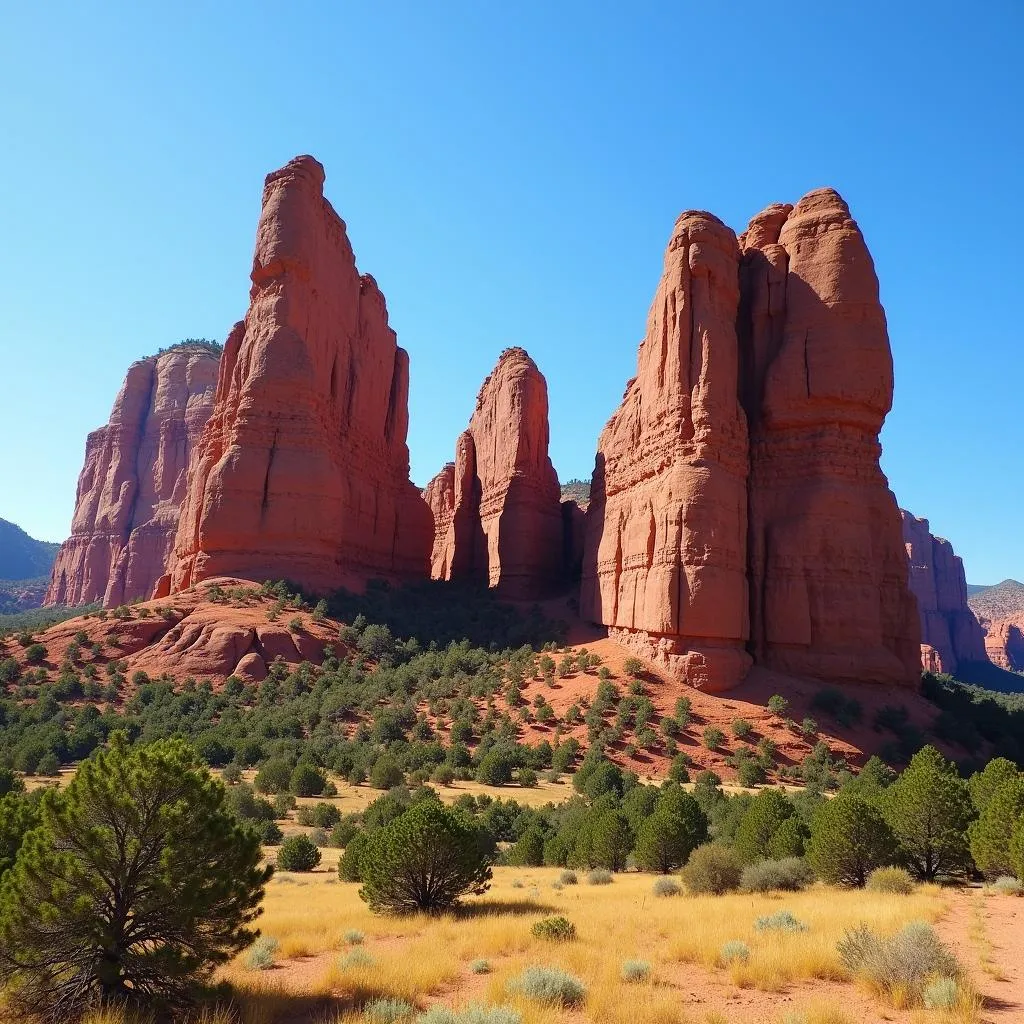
578, 491
21, 556
977, 588
998, 602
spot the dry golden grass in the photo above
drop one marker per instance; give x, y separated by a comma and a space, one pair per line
424, 960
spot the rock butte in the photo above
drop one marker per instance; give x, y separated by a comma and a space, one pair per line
303, 470
1004, 642
498, 517
133, 481
738, 510
950, 632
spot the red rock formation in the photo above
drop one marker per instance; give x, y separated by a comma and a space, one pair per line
787, 377
497, 509
133, 482
303, 471
937, 580
828, 572
664, 558
1004, 643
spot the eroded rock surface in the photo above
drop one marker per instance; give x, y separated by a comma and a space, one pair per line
303, 471
133, 482
498, 517
738, 509
937, 580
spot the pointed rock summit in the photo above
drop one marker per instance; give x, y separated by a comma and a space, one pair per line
303, 469
950, 632
498, 517
133, 482
738, 511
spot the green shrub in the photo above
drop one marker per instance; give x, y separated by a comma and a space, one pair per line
549, 985
480, 966
298, 853
354, 958
666, 886
712, 868
35, 653
426, 859
778, 705
353, 937
261, 954
388, 1011
741, 728
904, 962
1008, 886
633, 971
790, 874
891, 880
554, 929
783, 921
713, 737
940, 994
734, 951
568, 878
599, 876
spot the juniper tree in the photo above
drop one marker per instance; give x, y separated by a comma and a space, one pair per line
138, 881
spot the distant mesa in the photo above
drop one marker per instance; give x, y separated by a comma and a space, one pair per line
133, 482
498, 518
1000, 609
950, 633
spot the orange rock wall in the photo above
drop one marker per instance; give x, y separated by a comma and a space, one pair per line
939, 584
303, 471
133, 482
738, 510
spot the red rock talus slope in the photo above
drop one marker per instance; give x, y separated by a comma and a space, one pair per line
497, 510
303, 471
738, 508
664, 558
132, 485
828, 571
937, 580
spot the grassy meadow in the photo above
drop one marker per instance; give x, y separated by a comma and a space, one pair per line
334, 958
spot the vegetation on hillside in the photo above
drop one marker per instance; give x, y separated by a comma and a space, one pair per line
205, 344
23, 557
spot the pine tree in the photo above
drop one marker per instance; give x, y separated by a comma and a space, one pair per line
667, 837
426, 859
984, 784
611, 841
990, 834
767, 811
138, 881
929, 810
18, 814
849, 839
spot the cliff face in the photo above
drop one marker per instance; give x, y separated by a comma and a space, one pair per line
303, 469
133, 482
497, 509
738, 511
664, 554
937, 580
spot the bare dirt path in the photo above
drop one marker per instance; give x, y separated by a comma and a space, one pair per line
987, 934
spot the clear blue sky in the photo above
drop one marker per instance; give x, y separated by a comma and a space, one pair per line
510, 174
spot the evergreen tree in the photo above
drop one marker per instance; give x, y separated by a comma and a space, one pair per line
849, 839
990, 834
789, 840
138, 881
611, 841
529, 849
762, 819
929, 810
18, 814
426, 859
984, 784
667, 837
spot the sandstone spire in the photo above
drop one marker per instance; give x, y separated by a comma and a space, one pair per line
303, 472
133, 482
497, 508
